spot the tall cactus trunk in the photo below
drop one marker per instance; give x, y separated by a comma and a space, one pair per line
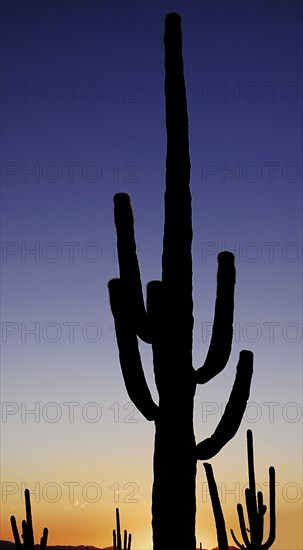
174, 487
174, 435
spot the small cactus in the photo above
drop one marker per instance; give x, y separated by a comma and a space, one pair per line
217, 509
117, 541
27, 529
256, 509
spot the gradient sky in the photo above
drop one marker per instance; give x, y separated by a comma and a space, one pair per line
83, 118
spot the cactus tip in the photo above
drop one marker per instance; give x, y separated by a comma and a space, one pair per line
120, 198
226, 256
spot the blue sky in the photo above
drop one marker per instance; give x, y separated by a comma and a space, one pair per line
82, 119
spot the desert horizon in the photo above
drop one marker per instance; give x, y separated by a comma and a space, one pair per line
8, 545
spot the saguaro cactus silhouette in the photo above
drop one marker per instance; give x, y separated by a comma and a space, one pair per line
27, 529
117, 539
217, 508
256, 509
167, 324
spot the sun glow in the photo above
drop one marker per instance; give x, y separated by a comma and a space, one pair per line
142, 539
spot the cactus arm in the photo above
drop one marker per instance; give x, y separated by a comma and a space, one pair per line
129, 541
18, 545
43, 540
243, 526
261, 512
261, 505
272, 509
25, 534
222, 333
241, 546
118, 529
234, 410
252, 518
114, 539
129, 355
250, 495
29, 522
128, 263
251, 471
217, 509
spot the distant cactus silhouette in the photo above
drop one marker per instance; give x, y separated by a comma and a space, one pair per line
117, 542
167, 324
217, 509
256, 509
27, 529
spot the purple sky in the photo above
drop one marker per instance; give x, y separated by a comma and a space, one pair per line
82, 99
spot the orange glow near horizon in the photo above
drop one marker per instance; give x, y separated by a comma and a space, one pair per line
81, 523
78, 491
